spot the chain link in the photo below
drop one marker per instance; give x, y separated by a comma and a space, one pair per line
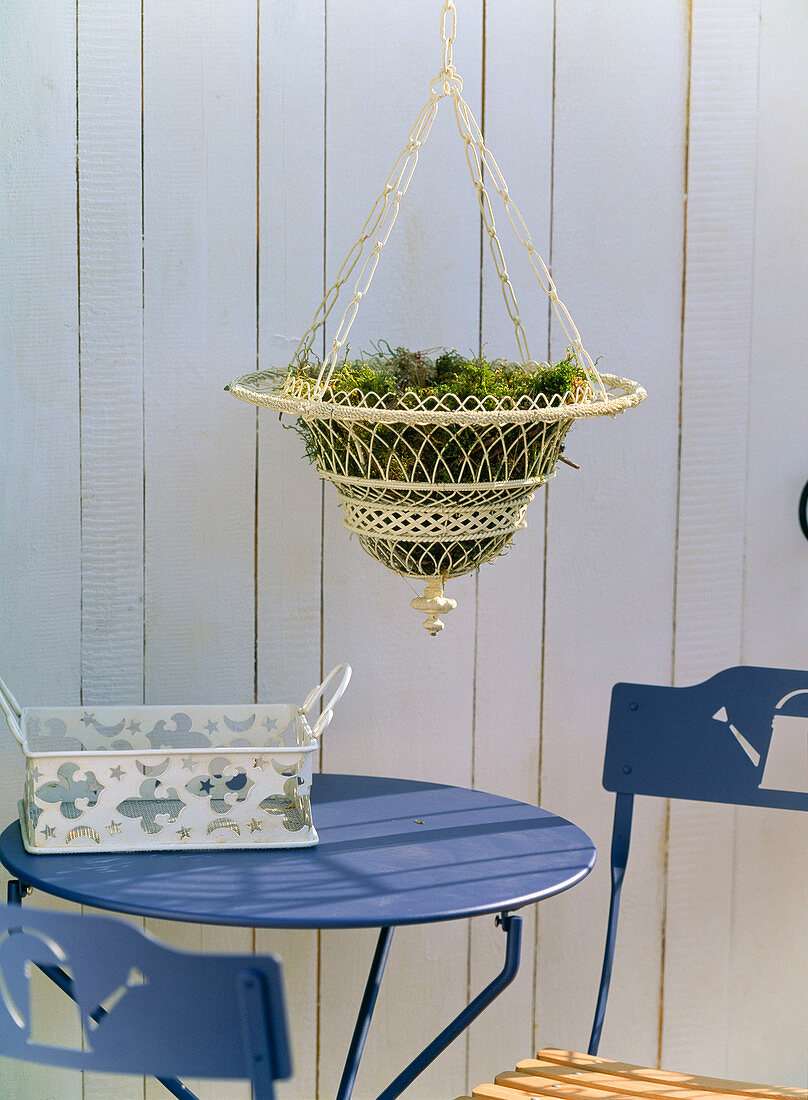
401, 173
472, 135
475, 158
448, 29
382, 217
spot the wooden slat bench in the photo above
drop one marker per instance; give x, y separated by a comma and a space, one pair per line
570, 1076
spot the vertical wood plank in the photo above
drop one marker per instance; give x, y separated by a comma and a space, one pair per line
200, 299
714, 440
518, 69
409, 709
109, 133
620, 95
40, 582
199, 179
769, 995
291, 283
775, 628
291, 228
716, 349
767, 999
111, 335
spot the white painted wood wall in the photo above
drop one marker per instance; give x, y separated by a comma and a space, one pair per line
177, 181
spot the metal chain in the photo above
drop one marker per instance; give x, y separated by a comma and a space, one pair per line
448, 29
382, 217
475, 158
387, 206
481, 156
395, 186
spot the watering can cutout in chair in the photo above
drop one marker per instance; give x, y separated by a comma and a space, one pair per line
785, 767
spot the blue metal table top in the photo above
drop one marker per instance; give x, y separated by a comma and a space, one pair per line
391, 852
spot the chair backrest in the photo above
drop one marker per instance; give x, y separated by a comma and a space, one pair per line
145, 1008
740, 737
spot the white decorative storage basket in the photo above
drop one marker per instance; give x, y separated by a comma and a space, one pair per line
100, 779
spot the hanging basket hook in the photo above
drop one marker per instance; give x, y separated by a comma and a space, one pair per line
447, 82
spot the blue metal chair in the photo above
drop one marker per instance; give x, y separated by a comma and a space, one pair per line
145, 1008
740, 738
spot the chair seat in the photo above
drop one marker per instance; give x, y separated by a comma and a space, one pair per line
571, 1076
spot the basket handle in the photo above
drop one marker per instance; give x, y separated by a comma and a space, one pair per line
328, 710
12, 710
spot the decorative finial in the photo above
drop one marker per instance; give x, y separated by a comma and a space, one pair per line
433, 603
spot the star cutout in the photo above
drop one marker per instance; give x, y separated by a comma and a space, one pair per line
88, 719
211, 727
271, 724
255, 825
114, 827
134, 727
117, 772
48, 831
188, 764
206, 786
259, 763
35, 774
184, 832
34, 725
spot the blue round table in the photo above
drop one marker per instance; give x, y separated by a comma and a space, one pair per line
391, 852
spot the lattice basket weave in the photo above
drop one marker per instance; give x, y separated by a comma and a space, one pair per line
419, 513
101, 779
433, 491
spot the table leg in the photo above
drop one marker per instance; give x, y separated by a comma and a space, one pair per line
360, 1034
512, 926
16, 891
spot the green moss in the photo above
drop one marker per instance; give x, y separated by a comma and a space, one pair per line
403, 378
440, 453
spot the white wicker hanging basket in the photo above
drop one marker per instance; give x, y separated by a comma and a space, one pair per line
433, 487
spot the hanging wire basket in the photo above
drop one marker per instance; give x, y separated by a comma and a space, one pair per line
419, 513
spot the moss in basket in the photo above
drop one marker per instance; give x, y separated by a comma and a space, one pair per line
444, 454
400, 375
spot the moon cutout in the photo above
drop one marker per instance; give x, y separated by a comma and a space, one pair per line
239, 727
152, 769
224, 823
85, 832
289, 769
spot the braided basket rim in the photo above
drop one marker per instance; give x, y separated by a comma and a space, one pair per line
256, 389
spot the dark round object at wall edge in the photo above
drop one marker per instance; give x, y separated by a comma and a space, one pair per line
803, 509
